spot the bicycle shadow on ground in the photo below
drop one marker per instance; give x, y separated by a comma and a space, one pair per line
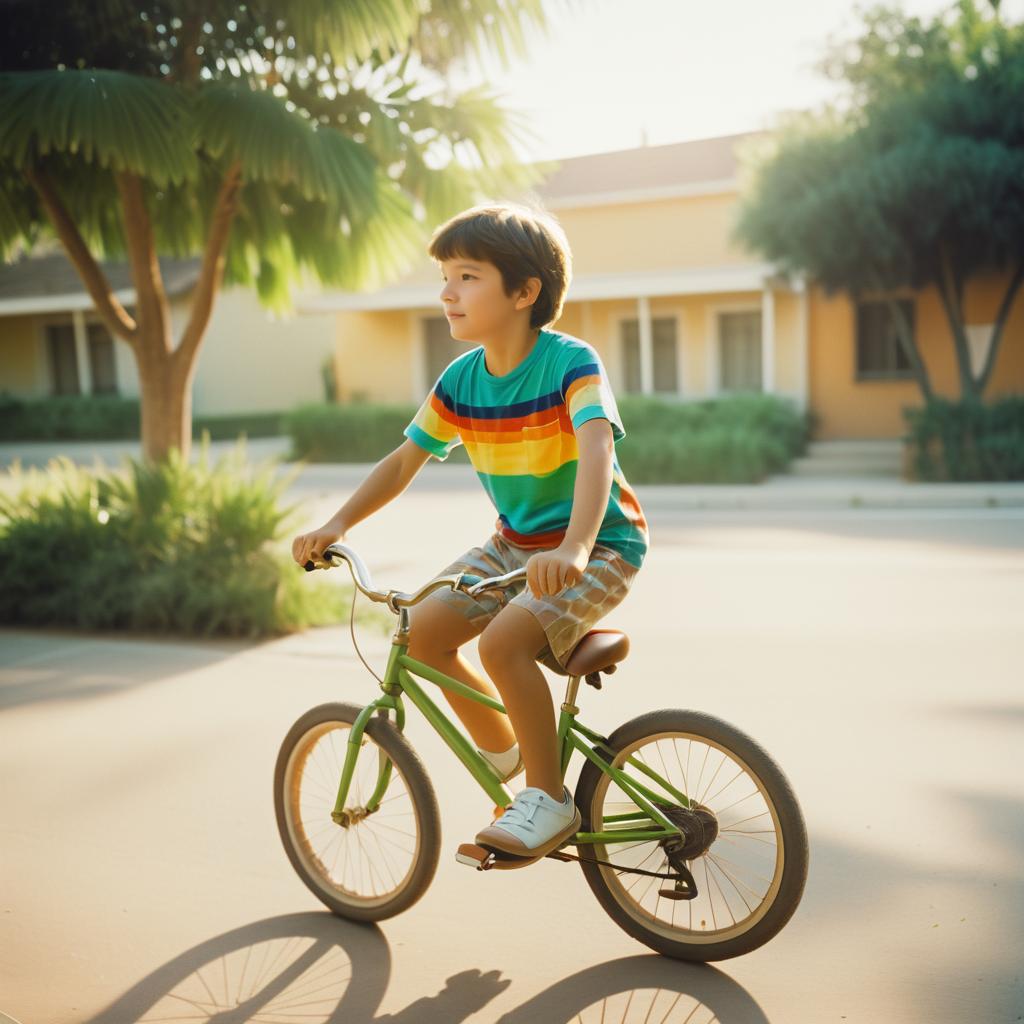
641, 990
323, 970
312, 967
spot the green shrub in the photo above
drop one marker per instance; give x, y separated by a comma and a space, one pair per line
968, 440
726, 440
346, 433
111, 418
739, 439
67, 417
171, 547
230, 428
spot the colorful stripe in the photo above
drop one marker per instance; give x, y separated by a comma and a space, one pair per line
520, 434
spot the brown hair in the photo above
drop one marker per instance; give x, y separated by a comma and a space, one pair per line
521, 242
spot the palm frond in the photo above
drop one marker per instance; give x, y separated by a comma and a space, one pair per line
453, 29
119, 121
19, 211
275, 143
353, 29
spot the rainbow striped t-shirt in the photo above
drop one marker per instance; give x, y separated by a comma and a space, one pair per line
520, 434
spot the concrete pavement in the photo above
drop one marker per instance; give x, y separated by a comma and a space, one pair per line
874, 652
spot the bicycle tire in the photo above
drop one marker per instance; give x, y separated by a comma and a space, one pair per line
408, 775
789, 870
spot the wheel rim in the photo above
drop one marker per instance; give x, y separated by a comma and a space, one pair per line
739, 876
372, 861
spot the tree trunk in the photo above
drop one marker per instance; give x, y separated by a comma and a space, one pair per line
910, 349
166, 403
165, 372
951, 289
997, 328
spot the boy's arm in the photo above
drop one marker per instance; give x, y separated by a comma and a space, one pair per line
550, 572
385, 482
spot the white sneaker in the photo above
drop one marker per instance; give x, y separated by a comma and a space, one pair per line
507, 764
533, 824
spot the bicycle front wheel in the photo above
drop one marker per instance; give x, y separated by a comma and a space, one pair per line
381, 862
749, 859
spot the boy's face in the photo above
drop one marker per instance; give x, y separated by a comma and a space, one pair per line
475, 302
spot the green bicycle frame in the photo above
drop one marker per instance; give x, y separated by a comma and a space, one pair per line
400, 678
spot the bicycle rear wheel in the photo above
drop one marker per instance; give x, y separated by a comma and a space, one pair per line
751, 867
382, 862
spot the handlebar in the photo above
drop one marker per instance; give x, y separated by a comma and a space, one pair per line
396, 599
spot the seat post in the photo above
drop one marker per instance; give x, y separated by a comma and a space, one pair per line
571, 689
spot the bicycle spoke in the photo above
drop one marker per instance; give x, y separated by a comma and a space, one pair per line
728, 895
736, 885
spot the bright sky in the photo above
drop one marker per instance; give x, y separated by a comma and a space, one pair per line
615, 70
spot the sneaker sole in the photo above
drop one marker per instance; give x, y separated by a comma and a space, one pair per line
497, 840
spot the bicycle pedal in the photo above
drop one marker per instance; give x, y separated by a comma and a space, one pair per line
475, 856
503, 861
678, 893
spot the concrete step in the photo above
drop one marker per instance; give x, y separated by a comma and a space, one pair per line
859, 458
857, 446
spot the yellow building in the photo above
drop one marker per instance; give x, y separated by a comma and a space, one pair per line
52, 342
675, 307
672, 304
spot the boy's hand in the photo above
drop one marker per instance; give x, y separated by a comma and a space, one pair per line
310, 546
550, 572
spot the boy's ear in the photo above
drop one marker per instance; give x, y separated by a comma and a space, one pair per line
528, 293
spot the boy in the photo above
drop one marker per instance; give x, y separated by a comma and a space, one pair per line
539, 422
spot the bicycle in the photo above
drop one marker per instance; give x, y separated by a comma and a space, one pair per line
674, 797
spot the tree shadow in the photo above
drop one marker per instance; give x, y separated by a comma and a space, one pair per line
37, 666
974, 978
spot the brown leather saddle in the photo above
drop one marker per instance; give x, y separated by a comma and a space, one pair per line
599, 651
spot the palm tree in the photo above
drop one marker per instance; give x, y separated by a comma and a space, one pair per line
279, 142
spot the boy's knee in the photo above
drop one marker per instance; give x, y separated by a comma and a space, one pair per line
507, 639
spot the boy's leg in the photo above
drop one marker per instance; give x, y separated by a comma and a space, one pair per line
508, 649
553, 624
437, 632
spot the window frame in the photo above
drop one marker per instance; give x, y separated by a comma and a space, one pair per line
714, 333
677, 388
897, 373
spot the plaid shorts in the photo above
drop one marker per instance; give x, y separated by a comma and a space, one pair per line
566, 617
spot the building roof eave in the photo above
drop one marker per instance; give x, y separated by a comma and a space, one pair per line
586, 287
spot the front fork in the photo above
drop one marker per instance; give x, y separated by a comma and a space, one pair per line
389, 701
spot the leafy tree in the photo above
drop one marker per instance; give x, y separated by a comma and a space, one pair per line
918, 181
300, 139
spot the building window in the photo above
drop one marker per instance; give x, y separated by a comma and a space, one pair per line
879, 353
102, 367
739, 345
665, 355
63, 355
441, 347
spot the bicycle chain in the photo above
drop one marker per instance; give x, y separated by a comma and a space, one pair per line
559, 855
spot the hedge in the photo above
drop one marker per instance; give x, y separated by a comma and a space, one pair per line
967, 440
111, 418
738, 439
